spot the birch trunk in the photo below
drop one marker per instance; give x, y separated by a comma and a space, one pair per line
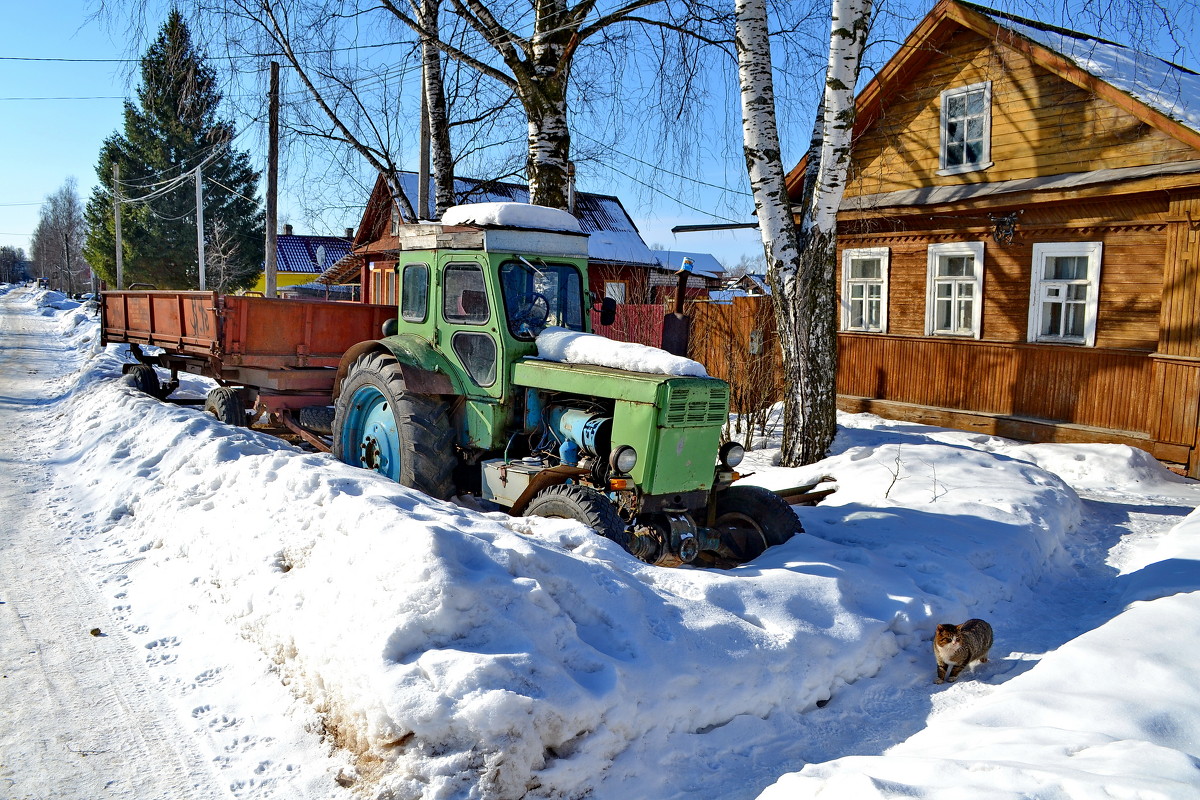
439, 121
801, 256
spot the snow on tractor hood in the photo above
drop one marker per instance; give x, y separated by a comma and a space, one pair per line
572, 347
512, 215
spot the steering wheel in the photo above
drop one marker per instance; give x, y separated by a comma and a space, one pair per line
530, 312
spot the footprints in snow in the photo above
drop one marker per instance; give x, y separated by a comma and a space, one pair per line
161, 651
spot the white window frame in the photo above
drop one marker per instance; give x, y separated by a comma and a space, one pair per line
617, 290
849, 255
937, 252
1094, 252
985, 157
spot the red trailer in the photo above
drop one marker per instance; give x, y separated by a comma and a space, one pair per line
270, 356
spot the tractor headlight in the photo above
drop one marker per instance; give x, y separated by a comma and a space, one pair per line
731, 454
623, 459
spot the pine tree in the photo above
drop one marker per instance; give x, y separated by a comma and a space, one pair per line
173, 128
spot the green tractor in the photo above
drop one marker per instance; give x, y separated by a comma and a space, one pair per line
454, 399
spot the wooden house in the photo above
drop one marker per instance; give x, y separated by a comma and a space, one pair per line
1019, 243
620, 265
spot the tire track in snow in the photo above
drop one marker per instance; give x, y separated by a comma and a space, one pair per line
82, 717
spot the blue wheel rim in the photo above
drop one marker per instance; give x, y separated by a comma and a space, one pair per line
369, 437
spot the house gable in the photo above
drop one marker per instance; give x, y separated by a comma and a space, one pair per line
1042, 124
1037, 281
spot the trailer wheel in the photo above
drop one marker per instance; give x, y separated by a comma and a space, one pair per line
225, 403
582, 504
380, 426
749, 519
144, 379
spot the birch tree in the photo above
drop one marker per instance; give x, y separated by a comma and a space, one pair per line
801, 254
57, 244
537, 68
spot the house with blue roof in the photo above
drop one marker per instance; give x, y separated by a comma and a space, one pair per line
300, 260
620, 264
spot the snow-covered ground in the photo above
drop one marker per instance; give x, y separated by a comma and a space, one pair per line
194, 611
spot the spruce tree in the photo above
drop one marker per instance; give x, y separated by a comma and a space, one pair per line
173, 127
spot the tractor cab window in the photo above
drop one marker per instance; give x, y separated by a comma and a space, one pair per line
464, 295
537, 295
414, 292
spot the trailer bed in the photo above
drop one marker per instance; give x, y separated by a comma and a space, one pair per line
233, 332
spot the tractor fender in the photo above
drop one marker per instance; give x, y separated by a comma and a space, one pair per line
425, 370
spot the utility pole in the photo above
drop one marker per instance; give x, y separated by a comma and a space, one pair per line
423, 165
200, 225
272, 179
117, 225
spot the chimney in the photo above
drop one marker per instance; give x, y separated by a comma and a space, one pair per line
287, 230
349, 233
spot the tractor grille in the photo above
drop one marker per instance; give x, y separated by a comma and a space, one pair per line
698, 403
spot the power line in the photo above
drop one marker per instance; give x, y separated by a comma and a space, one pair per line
100, 97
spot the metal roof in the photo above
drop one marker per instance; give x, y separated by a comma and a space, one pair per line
298, 254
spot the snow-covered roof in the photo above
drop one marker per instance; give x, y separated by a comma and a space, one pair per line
613, 236
1168, 88
704, 264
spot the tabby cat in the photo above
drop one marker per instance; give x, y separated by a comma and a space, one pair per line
959, 646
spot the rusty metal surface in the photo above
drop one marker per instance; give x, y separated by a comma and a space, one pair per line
286, 418
241, 331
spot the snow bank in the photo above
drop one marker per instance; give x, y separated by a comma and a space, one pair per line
512, 215
571, 347
451, 654
1079, 725
454, 654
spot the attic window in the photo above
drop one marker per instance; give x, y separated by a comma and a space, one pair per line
966, 129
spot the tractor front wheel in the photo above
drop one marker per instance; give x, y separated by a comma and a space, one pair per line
582, 504
381, 426
749, 519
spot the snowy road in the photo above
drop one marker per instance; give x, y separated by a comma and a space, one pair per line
82, 718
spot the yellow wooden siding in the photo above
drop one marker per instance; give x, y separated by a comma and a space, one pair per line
1041, 125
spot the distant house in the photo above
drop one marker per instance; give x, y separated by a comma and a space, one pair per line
745, 285
300, 260
620, 264
705, 275
1020, 237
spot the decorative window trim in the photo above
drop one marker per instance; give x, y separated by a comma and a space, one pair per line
1094, 252
985, 158
950, 249
848, 256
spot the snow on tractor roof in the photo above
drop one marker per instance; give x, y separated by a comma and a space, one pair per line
511, 215
571, 347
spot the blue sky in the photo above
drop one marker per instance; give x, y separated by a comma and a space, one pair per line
45, 141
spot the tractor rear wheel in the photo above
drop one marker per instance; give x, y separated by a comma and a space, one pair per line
582, 504
749, 519
380, 426
225, 403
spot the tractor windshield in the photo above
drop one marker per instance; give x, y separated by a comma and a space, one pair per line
537, 294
